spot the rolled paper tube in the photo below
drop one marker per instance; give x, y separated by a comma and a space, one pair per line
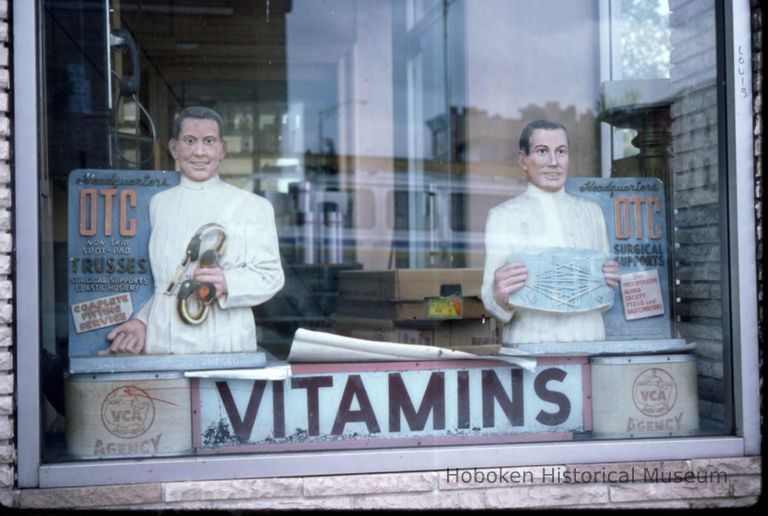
315, 346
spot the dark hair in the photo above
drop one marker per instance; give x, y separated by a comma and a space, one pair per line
200, 112
527, 134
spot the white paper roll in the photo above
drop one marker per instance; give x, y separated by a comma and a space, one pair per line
315, 346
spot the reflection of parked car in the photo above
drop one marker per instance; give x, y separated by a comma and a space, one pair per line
384, 219
323, 231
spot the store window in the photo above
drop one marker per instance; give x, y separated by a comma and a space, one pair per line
383, 138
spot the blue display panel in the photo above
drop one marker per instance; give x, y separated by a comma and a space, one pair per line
636, 222
109, 274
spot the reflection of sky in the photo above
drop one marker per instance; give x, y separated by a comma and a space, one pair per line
522, 53
318, 34
504, 55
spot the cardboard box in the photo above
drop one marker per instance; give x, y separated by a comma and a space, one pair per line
429, 309
409, 284
478, 336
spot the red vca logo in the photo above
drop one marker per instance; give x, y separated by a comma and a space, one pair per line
654, 392
127, 412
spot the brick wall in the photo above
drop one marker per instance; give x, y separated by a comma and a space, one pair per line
696, 196
757, 87
7, 450
433, 489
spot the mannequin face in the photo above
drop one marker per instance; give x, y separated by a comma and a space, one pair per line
199, 148
547, 163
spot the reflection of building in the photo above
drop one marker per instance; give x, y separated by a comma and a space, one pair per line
448, 138
248, 86
477, 137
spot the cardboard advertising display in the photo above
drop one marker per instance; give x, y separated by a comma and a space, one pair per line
109, 271
635, 219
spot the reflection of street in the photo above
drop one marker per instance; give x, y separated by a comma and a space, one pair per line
374, 210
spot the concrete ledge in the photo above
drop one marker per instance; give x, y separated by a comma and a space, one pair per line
369, 484
450, 500
91, 497
676, 491
232, 489
547, 496
727, 482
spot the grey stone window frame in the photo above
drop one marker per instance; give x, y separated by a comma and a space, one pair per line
741, 246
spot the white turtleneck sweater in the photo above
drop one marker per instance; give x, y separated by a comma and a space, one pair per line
537, 219
251, 264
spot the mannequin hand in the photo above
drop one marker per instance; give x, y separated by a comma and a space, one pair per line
507, 279
611, 273
129, 337
214, 275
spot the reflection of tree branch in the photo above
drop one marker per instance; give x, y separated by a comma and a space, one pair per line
645, 40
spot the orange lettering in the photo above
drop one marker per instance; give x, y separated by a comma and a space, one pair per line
638, 202
622, 224
127, 227
108, 196
88, 202
654, 205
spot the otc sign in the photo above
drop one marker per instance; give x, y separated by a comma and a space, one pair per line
635, 220
325, 406
108, 260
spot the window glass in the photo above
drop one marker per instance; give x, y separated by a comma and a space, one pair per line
384, 137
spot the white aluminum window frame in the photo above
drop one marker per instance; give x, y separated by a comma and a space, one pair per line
33, 473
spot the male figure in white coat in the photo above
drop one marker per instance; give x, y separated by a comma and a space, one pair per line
544, 216
247, 273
